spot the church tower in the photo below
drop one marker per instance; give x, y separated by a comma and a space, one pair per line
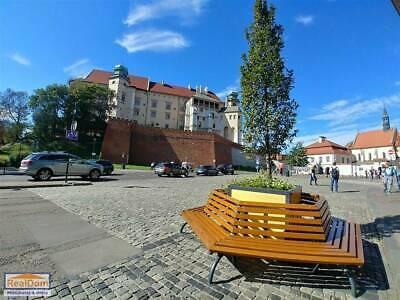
385, 120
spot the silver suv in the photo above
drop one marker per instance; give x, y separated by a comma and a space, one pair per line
44, 165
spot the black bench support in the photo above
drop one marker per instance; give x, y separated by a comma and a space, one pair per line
214, 265
182, 227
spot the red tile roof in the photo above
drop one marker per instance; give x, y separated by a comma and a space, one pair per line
102, 77
375, 138
326, 147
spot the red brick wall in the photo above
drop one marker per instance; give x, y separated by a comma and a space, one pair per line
148, 144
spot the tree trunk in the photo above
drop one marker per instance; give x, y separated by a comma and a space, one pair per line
269, 161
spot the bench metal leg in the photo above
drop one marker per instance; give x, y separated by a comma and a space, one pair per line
353, 282
212, 270
315, 269
182, 227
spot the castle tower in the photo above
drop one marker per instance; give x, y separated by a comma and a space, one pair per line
232, 129
123, 99
385, 120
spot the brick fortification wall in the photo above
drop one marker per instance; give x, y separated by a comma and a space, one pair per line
148, 144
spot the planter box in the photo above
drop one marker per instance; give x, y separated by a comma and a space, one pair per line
249, 194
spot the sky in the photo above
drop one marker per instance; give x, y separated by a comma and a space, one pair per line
345, 54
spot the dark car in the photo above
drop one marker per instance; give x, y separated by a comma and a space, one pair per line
107, 165
170, 169
226, 169
206, 170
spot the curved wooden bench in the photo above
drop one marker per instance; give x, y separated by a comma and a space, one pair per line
298, 233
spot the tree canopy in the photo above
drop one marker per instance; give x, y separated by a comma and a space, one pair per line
297, 156
269, 111
14, 112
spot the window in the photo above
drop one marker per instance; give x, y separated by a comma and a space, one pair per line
112, 82
166, 126
153, 103
230, 117
167, 116
123, 98
153, 114
383, 155
168, 105
320, 159
136, 111
213, 125
182, 108
138, 101
328, 159
369, 156
359, 157
234, 117
348, 160
342, 160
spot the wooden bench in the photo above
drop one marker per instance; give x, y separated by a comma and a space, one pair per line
298, 233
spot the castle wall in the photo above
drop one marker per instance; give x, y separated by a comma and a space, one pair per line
148, 144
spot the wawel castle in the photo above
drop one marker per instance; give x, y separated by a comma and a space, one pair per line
161, 104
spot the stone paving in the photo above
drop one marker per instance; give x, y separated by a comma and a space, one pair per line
145, 212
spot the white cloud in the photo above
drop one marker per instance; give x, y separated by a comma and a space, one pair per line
305, 19
184, 9
231, 88
347, 113
22, 60
153, 40
79, 68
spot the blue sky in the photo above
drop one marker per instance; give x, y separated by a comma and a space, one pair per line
345, 53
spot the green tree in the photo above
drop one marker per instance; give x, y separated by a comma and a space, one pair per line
269, 111
14, 112
297, 156
56, 106
48, 106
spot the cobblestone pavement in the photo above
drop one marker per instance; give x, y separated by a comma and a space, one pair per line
145, 212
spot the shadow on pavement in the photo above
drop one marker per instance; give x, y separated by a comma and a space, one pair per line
349, 192
381, 227
372, 276
61, 179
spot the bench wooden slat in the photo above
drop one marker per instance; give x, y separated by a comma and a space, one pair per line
284, 234
289, 220
297, 228
281, 211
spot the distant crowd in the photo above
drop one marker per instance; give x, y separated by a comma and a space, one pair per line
389, 174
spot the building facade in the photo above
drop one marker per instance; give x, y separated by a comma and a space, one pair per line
147, 103
324, 152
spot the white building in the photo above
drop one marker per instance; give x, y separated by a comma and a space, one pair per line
155, 104
324, 152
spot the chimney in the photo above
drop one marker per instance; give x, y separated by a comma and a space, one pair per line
321, 139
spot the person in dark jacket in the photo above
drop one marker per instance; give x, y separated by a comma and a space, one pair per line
313, 175
334, 177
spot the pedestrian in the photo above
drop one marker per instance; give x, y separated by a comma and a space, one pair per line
388, 174
371, 172
327, 172
397, 170
366, 173
313, 176
334, 177
379, 172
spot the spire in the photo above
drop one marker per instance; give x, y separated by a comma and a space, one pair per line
385, 120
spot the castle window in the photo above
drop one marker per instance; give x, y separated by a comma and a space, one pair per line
234, 117
383, 155
213, 125
153, 114
166, 126
230, 117
112, 82
153, 103
136, 111
167, 116
328, 159
342, 160
182, 108
369, 156
348, 160
123, 98
168, 105
137, 102
238, 117
359, 157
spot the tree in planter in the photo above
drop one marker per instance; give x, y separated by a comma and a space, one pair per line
269, 111
297, 156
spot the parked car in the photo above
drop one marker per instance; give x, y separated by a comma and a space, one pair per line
206, 170
107, 165
44, 165
170, 169
226, 169
188, 166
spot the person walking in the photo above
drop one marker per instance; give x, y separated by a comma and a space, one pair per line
388, 174
313, 176
334, 177
397, 173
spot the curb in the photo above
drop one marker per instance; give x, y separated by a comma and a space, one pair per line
26, 186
